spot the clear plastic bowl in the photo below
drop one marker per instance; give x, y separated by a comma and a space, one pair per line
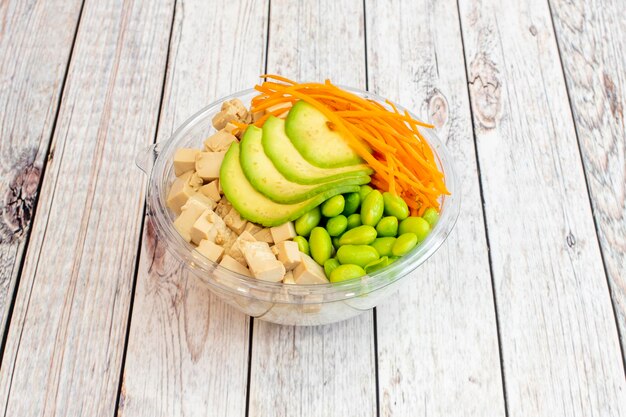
277, 302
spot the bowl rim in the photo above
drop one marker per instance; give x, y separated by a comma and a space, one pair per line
158, 185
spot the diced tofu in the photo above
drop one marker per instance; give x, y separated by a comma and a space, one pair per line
285, 231
264, 235
224, 236
191, 211
180, 192
195, 181
274, 250
288, 279
229, 128
236, 250
234, 220
237, 106
184, 160
262, 262
229, 263
252, 228
211, 190
203, 229
208, 165
309, 272
210, 250
223, 207
257, 115
231, 110
288, 254
220, 141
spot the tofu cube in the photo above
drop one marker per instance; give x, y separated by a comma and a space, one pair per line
262, 262
309, 272
210, 250
208, 165
235, 105
264, 235
184, 160
231, 110
252, 228
231, 264
234, 220
203, 229
285, 231
180, 192
236, 249
219, 141
211, 190
223, 207
288, 254
191, 211
256, 115
288, 279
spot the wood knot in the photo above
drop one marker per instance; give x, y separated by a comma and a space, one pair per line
437, 107
612, 96
19, 201
533, 30
156, 251
570, 239
486, 92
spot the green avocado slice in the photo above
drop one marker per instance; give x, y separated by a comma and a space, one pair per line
308, 130
254, 206
266, 179
289, 162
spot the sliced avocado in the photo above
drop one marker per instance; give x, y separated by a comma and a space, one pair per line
254, 206
266, 179
309, 132
292, 165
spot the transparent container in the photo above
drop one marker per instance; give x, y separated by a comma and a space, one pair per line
277, 302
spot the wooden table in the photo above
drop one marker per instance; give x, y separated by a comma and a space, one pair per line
522, 312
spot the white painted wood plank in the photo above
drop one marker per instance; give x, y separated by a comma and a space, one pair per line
437, 339
592, 44
67, 334
32, 68
188, 351
325, 370
560, 348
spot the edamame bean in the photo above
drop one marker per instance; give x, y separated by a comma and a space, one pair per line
372, 208
333, 206
383, 245
364, 191
308, 221
337, 225
330, 265
404, 243
361, 235
395, 206
346, 272
303, 244
354, 220
431, 216
320, 245
416, 225
352, 203
377, 264
335, 241
360, 255
387, 226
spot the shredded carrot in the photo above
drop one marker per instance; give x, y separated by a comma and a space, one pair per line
387, 139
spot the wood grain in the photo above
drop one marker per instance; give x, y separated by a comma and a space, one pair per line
560, 349
437, 338
188, 351
66, 338
32, 69
592, 46
325, 370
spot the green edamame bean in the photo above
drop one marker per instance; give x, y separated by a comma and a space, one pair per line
308, 221
330, 265
360, 235
360, 255
364, 191
431, 216
383, 245
337, 225
416, 225
387, 226
346, 272
395, 206
354, 220
320, 245
352, 203
335, 241
377, 264
333, 206
372, 208
303, 244
404, 243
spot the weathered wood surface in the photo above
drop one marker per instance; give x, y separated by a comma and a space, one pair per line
32, 70
188, 351
437, 339
592, 43
67, 334
560, 350
325, 370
